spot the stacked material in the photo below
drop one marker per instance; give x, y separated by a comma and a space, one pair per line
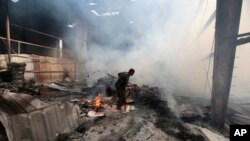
17, 73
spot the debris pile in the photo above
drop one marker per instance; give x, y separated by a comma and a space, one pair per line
191, 111
13, 80
146, 116
150, 120
16, 71
28, 87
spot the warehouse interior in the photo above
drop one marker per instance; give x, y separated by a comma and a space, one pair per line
60, 62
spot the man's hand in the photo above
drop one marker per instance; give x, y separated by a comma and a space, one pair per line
132, 85
135, 85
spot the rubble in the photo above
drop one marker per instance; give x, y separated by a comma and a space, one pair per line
28, 87
239, 113
146, 115
16, 71
64, 87
25, 117
95, 114
212, 136
13, 80
192, 112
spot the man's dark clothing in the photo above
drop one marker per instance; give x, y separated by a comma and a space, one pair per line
120, 85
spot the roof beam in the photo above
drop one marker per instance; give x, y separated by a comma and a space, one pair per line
242, 41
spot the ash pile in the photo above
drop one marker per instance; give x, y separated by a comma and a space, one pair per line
146, 116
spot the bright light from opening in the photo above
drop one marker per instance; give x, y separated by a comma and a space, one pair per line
71, 25
110, 14
94, 12
114, 13
15, 1
131, 22
92, 3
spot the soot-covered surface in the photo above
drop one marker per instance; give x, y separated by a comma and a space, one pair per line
152, 120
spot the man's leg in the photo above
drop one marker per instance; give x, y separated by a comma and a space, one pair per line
119, 102
123, 99
121, 95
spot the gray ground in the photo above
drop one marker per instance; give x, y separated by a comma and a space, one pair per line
150, 121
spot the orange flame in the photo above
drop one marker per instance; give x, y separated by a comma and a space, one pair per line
97, 102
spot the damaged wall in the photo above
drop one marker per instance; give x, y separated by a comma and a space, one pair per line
44, 69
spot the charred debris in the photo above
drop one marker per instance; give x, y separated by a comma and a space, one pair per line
146, 115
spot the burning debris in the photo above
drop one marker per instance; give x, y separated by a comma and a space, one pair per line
96, 103
145, 116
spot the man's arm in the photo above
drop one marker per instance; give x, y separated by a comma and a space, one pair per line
131, 85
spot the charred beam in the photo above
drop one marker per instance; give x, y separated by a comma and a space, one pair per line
244, 34
8, 32
242, 41
227, 25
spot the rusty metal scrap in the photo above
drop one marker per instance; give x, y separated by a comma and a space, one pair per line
27, 118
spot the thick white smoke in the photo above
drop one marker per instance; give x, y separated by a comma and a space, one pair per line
158, 38
165, 55
165, 50
241, 75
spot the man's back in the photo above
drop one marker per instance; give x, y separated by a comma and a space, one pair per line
122, 80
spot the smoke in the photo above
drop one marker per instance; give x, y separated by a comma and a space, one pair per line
241, 76
161, 52
155, 37
158, 44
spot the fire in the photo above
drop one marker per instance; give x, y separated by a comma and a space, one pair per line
97, 102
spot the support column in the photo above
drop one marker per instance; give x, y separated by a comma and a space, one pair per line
19, 48
8, 32
60, 48
227, 25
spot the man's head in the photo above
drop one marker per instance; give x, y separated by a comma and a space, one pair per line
131, 72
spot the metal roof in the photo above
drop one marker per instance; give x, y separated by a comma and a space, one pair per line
16, 103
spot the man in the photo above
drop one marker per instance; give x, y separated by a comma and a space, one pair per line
120, 85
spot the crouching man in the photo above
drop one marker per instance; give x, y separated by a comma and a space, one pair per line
120, 85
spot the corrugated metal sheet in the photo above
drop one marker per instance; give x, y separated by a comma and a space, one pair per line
34, 120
